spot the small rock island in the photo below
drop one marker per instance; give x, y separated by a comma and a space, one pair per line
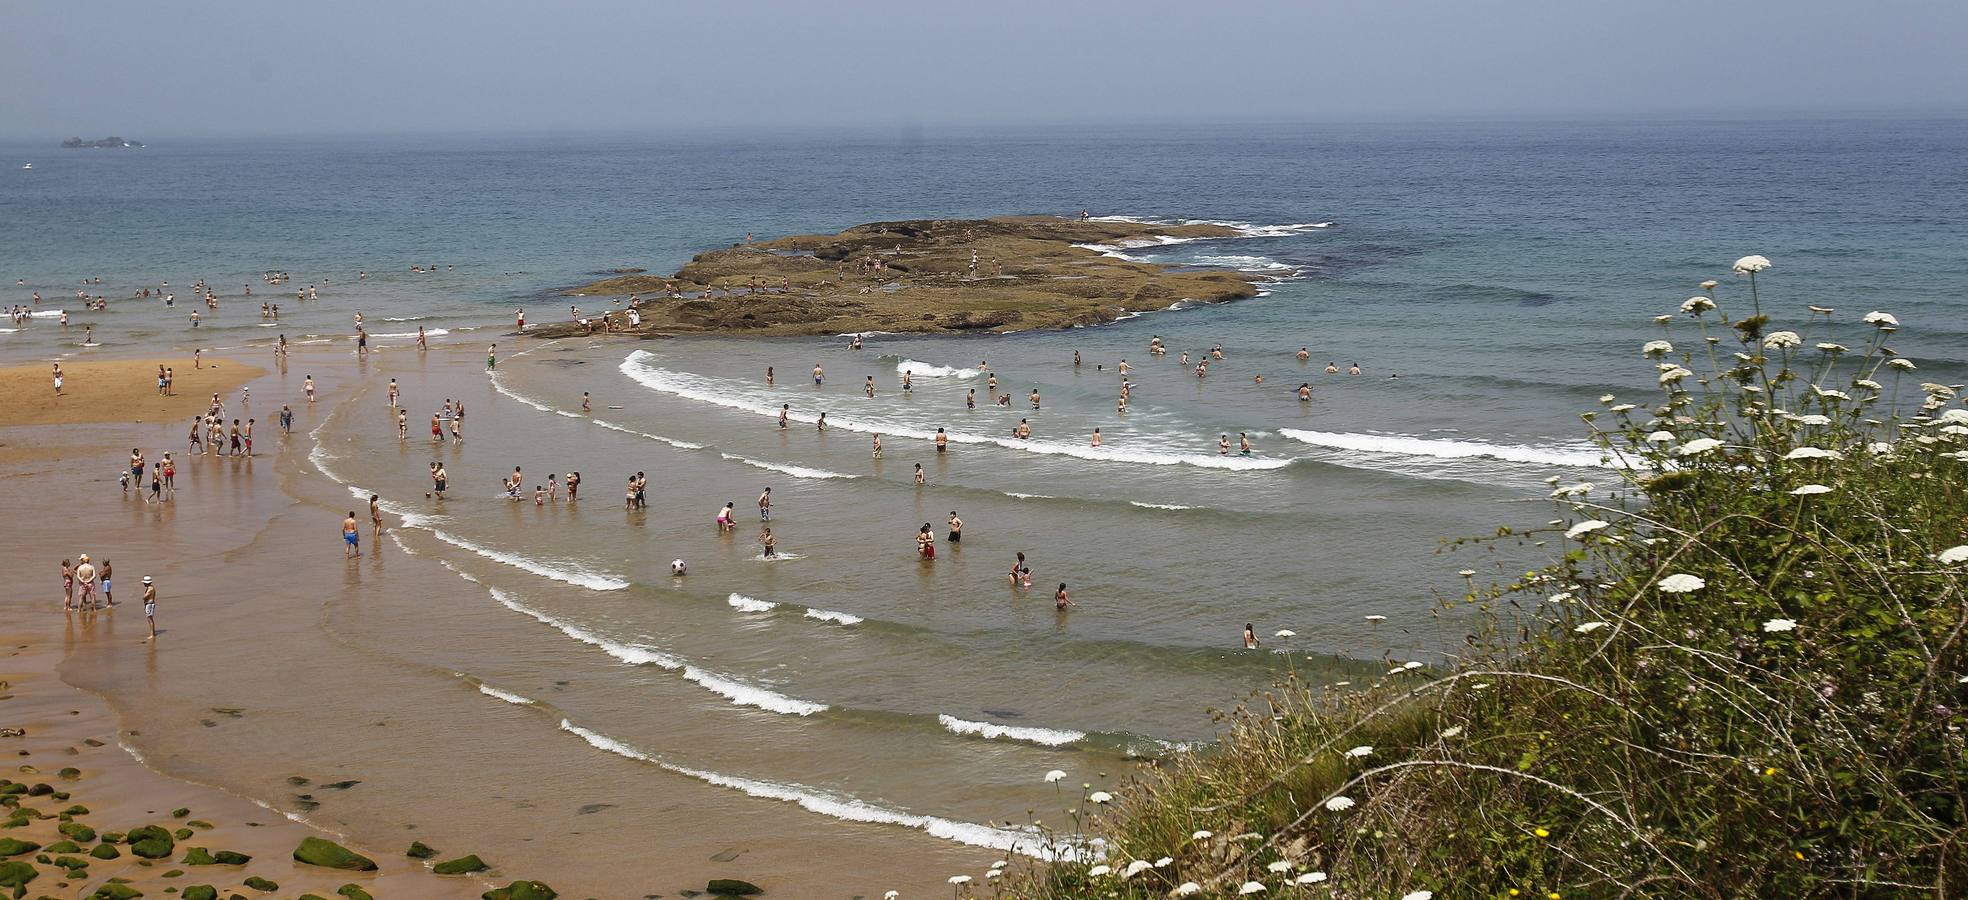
1009, 273
108, 143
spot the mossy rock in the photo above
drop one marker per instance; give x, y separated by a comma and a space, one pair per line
180, 812
71, 862
76, 831
13, 787
151, 842
174, 873
354, 892
182, 834
105, 851
310, 897
732, 887
199, 823
260, 884
420, 850
200, 892
318, 852
232, 858
69, 774
76, 810
16, 874
63, 847
115, 891
463, 865
16, 847
198, 856
40, 790
44, 859
521, 890
114, 837
60, 795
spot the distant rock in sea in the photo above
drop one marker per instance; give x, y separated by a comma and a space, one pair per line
112, 143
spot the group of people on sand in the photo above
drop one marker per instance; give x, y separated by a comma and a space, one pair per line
88, 588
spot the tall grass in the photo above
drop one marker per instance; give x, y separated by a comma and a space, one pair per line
1744, 675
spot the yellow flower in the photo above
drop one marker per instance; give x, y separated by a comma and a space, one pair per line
1541, 832
1551, 896
1513, 892
1769, 771
1798, 853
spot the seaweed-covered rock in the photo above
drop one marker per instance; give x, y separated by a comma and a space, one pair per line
76, 810
69, 774
420, 850
63, 847
732, 887
151, 842
40, 790
105, 851
16, 874
198, 856
76, 831
114, 837
115, 891
200, 892
463, 865
180, 812
319, 852
183, 834
16, 847
260, 884
521, 890
199, 823
231, 858
354, 892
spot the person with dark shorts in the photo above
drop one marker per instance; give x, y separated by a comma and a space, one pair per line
956, 528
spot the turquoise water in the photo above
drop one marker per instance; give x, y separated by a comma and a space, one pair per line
1507, 273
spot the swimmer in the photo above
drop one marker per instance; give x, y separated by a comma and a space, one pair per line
1018, 567
1304, 353
784, 410
942, 441
970, 399
376, 513
1305, 392
926, 543
870, 387
725, 522
956, 528
1223, 445
1059, 599
821, 423
1250, 637
1035, 398
351, 536
877, 449
819, 375
1243, 444
920, 480
768, 547
768, 376
1096, 437
1352, 368
1332, 368
764, 505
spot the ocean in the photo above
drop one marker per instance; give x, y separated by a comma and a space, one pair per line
1490, 280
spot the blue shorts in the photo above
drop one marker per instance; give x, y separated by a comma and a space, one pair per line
350, 537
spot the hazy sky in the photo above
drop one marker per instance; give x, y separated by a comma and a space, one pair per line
148, 69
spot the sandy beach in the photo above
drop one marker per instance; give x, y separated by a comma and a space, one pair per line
275, 678
123, 390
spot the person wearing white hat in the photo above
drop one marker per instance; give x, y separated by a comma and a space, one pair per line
150, 607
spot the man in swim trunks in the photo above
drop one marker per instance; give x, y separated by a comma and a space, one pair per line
818, 375
785, 410
351, 536
765, 505
956, 528
942, 441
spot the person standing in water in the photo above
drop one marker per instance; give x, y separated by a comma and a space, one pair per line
920, 480
819, 375
150, 607
768, 376
1059, 599
942, 441
1096, 437
1243, 444
821, 424
768, 547
765, 505
1305, 392
956, 528
869, 388
877, 451
1223, 445
926, 543
491, 357
785, 410
351, 536
1250, 637
725, 520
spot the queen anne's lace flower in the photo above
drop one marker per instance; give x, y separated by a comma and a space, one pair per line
1953, 555
1661, 437
1882, 319
1673, 374
1901, 363
1809, 489
1340, 804
1682, 583
1698, 446
1697, 305
1779, 625
1137, 867
1251, 887
1781, 340
1813, 453
1656, 349
1586, 527
1750, 265
1832, 348
1589, 627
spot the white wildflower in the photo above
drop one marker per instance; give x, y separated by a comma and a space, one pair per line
1560, 598
1750, 265
1709, 285
1360, 751
1163, 862
1429, 895
1452, 731
1098, 871
1829, 347
1813, 453
1589, 627
1674, 373
1812, 419
1200, 836
960, 879
1286, 632
1340, 804
1821, 310
1902, 364
1954, 417
1661, 437
1311, 878
1880, 448
1606, 398
1953, 555
1376, 618
1623, 407
1099, 797
1251, 887
1698, 446
1188, 888
1697, 305
1280, 866
1586, 527
1809, 489
1655, 350
1411, 664
1663, 319
1868, 384
1682, 583
1879, 318
1054, 776
1776, 625
1780, 340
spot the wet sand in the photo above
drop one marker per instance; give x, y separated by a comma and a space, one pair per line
278, 660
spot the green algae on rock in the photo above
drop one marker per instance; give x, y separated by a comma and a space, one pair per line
463, 865
319, 852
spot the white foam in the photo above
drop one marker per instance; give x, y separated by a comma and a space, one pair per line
1048, 737
1158, 505
8, 330
828, 615
639, 365
1238, 261
594, 581
777, 557
836, 806
404, 318
795, 471
513, 699
501, 388
751, 695
432, 332
1579, 457
680, 445
917, 369
743, 603
1030, 496
45, 314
